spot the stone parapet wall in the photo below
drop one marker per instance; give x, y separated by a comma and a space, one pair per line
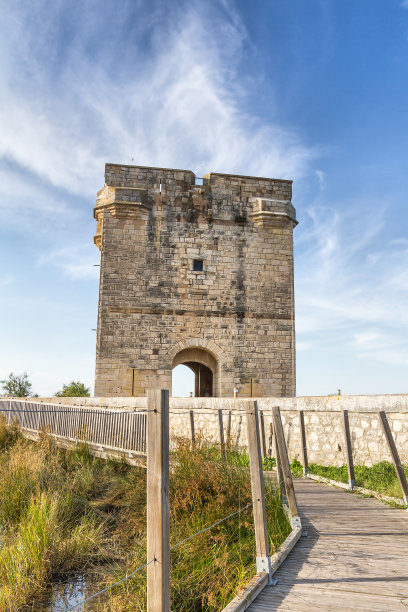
323, 422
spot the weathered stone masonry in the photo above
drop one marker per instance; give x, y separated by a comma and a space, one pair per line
323, 422
232, 321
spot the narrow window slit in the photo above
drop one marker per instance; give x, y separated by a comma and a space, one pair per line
197, 265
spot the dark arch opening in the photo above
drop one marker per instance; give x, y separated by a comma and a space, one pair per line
203, 385
205, 368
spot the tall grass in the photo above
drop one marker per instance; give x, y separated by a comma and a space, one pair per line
380, 477
45, 528
208, 569
64, 511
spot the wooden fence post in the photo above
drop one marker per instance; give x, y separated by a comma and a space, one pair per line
192, 427
395, 456
275, 453
222, 438
349, 451
279, 472
303, 442
263, 437
263, 559
8, 416
229, 426
270, 440
287, 475
158, 506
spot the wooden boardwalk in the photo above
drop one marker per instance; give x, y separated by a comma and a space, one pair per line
355, 556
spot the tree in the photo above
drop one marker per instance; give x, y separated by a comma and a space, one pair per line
17, 385
74, 389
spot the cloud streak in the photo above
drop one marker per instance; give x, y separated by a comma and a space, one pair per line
351, 284
71, 108
76, 261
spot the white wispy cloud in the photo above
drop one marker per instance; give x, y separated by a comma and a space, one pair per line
321, 178
25, 202
351, 283
77, 261
67, 110
388, 348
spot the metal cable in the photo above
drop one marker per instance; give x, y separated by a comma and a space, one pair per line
171, 548
181, 411
220, 521
74, 411
80, 603
214, 524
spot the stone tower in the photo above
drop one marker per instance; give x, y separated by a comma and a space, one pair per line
199, 274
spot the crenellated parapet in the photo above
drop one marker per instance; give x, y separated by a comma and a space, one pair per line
206, 264
270, 212
263, 202
119, 202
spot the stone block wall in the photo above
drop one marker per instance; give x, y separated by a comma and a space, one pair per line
152, 224
323, 422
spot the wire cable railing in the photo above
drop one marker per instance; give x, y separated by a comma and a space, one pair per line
108, 588
85, 423
190, 537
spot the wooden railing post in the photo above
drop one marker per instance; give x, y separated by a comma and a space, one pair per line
229, 426
303, 442
222, 437
395, 456
270, 440
349, 451
158, 507
263, 437
192, 427
263, 559
287, 475
279, 472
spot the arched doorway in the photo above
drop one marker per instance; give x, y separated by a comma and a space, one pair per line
205, 368
182, 381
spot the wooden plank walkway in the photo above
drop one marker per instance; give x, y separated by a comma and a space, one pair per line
355, 556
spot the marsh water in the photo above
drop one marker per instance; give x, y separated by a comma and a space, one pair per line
66, 594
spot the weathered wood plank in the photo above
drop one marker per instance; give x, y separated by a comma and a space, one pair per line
303, 442
262, 432
158, 504
263, 560
394, 454
349, 450
222, 437
279, 473
354, 557
283, 454
192, 428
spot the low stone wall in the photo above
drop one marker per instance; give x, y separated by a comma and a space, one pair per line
323, 422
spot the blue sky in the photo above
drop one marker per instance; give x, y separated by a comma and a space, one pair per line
312, 90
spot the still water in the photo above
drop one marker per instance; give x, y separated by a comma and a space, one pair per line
67, 594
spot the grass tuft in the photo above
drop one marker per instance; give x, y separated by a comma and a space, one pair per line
208, 569
380, 477
65, 511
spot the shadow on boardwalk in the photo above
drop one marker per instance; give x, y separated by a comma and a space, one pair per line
354, 556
